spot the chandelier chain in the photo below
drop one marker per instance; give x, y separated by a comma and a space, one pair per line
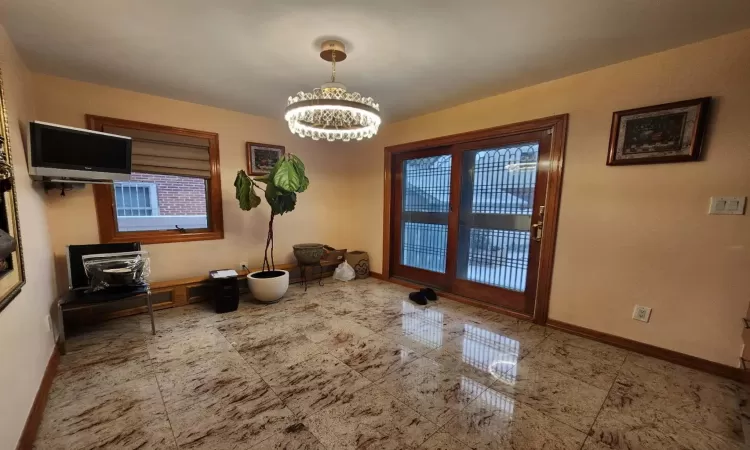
333, 61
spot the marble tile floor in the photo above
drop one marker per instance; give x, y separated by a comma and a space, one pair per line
356, 365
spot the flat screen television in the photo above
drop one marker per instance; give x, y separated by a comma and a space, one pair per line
60, 153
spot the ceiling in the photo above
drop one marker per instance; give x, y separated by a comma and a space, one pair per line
412, 56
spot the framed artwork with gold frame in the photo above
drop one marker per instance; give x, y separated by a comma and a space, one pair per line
262, 157
672, 132
12, 272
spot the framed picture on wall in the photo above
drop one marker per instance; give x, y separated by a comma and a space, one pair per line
12, 272
672, 132
262, 157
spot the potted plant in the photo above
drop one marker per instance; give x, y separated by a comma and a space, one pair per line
280, 187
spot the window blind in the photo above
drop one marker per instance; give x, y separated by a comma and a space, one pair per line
169, 154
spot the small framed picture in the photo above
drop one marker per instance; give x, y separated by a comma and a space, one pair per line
262, 157
672, 132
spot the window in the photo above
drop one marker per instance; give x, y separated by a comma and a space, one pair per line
174, 193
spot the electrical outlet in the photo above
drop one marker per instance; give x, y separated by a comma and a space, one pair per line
642, 313
48, 322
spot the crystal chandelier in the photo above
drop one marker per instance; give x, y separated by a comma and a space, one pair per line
330, 112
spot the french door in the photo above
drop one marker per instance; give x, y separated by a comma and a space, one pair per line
468, 218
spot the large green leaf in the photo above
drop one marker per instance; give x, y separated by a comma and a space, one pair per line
287, 176
245, 192
242, 190
298, 164
280, 201
254, 199
305, 184
272, 197
287, 202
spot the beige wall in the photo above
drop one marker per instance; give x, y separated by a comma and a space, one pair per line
636, 234
25, 340
321, 211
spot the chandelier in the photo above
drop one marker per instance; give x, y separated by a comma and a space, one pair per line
330, 112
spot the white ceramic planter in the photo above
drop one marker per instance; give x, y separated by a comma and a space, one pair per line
268, 290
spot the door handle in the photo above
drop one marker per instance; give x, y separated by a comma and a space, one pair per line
536, 231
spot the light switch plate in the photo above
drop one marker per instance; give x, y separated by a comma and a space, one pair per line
727, 205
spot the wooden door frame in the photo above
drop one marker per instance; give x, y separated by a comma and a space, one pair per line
557, 126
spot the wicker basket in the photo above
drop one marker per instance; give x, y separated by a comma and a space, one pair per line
308, 254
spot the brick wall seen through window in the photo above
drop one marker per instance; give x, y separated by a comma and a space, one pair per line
178, 196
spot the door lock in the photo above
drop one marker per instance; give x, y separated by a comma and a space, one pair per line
537, 229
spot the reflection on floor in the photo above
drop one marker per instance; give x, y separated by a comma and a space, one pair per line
354, 365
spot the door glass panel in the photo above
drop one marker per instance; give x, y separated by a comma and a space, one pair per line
497, 199
424, 219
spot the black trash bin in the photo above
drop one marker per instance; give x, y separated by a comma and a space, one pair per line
226, 295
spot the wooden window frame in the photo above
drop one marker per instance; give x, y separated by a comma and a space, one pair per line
557, 127
104, 199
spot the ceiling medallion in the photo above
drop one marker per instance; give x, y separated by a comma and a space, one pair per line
330, 112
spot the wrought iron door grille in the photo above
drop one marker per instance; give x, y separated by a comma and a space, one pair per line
427, 185
424, 246
504, 180
499, 258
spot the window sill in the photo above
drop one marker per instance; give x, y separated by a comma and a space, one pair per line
162, 237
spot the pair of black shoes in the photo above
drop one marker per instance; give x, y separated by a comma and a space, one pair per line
421, 297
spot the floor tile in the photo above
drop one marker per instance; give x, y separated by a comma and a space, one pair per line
188, 317
223, 379
175, 349
275, 321
240, 421
596, 367
95, 343
374, 356
642, 396
371, 420
418, 339
267, 348
333, 333
436, 388
555, 394
378, 317
268, 354
496, 421
315, 383
101, 375
127, 417
613, 430
682, 375
293, 437
492, 352
443, 441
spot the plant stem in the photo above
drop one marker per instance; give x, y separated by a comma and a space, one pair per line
269, 243
256, 184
